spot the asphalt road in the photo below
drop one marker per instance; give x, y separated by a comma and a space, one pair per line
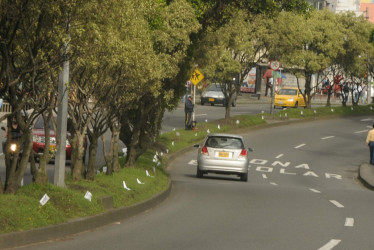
302, 193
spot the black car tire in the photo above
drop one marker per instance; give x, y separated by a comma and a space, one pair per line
296, 105
212, 104
202, 103
244, 177
199, 173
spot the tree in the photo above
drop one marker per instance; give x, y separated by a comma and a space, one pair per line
306, 45
233, 49
31, 35
170, 28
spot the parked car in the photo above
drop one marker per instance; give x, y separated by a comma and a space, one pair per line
223, 154
39, 139
289, 97
214, 95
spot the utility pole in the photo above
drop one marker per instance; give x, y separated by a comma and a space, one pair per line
60, 159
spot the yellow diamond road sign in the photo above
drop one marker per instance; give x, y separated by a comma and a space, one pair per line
196, 77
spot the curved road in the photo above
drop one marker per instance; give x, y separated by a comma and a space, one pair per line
302, 193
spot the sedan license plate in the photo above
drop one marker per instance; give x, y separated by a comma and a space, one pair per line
224, 154
211, 99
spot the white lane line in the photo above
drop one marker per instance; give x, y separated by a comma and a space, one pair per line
315, 190
330, 245
349, 222
299, 146
327, 137
367, 119
278, 156
337, 204
264, 176
200, 115
362, 131
273, 183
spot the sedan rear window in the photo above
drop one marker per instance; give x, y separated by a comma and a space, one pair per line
40, 124
287, 92
224, 142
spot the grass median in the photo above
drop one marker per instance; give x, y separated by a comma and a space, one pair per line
23, 211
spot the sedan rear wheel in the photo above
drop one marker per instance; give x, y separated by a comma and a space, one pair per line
296, 105
244, 177
199, 173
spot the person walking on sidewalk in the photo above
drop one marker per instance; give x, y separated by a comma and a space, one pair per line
188, 109
370, 143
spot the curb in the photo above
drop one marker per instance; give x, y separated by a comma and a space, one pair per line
366, 175
80, 225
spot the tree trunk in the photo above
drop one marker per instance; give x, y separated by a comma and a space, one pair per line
78, 151
17, 171
115, 139
92, 150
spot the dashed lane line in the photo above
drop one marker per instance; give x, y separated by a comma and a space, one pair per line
349, 222
327, 137
299, 146
337, 204
279, 156
315, 190
361, 131
330, 245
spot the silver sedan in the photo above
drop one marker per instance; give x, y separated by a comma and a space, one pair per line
223, 154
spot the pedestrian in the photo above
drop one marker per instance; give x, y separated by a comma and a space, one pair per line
370, 143
269, 85
188, 109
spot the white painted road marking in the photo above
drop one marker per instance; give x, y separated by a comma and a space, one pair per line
314, 190
337, 204
349, 222
273, 183
299, 146
327, 137
279, 156
367, 119
264, 176
330, 245
362, 131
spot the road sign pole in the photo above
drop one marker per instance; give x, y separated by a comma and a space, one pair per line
194, 101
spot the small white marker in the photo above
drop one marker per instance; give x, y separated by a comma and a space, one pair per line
273, 183
264, 176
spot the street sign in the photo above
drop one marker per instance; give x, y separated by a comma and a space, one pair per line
274, 65
196, 77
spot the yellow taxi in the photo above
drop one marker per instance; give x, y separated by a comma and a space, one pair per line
289, 97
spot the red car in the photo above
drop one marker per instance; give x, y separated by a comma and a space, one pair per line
38, 134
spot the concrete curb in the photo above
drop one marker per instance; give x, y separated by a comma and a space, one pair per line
366, 175
81, 224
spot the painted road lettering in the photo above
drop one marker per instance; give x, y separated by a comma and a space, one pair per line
266, 166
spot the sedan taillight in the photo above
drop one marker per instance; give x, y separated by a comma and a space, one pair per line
243, 153
204, 150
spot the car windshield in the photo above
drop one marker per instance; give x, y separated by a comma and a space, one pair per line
40, 124
224, 142
214, 87
287, 92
